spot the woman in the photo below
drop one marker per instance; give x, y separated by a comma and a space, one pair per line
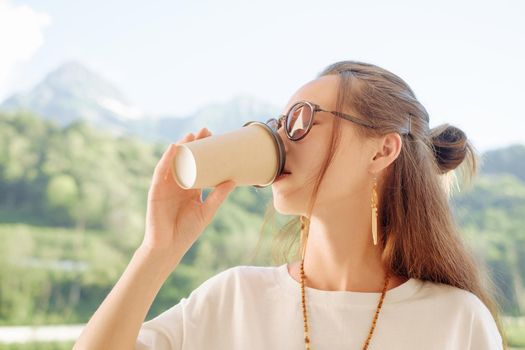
382, 264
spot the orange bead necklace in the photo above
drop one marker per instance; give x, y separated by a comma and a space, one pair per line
305, 316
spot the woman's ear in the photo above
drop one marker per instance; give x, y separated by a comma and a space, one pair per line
386, 150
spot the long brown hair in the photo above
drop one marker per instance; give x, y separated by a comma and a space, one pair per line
418, 231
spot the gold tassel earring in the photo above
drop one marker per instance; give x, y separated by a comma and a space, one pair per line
374, 211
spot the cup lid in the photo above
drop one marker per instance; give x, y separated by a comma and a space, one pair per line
281, 154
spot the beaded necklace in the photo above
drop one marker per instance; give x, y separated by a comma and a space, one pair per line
305, 317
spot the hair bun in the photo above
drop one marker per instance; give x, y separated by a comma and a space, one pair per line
450, 146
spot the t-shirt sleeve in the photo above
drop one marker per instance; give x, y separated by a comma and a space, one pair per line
484, 333
188, 318
163, 332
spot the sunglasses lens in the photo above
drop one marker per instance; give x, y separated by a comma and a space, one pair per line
298, 120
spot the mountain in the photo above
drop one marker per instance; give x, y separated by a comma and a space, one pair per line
509, 160
218, 118
74, 92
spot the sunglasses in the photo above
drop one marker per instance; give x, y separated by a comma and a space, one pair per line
300, 118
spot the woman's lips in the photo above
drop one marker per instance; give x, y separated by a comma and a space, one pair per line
282, 176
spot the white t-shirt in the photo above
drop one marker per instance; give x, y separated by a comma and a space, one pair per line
259, 307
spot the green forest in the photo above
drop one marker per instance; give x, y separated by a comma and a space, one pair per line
73, 203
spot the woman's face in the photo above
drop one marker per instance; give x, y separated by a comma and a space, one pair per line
347, 174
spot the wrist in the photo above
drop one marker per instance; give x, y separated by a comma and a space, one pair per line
160, 261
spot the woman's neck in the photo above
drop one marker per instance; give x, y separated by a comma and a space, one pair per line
294, 270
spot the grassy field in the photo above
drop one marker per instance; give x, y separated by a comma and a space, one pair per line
37, 346
515, 328
21, 242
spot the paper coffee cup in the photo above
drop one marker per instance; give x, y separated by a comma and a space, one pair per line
251, 155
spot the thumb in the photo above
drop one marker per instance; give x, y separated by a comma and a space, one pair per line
214, 200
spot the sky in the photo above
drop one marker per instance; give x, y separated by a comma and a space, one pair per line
465, 60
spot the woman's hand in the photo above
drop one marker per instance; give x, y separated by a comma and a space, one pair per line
175, 217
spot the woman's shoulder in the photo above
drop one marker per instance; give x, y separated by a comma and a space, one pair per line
462, 301
233, 273
452, 295
237, 278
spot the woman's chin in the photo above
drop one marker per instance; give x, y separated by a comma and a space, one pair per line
282, 206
